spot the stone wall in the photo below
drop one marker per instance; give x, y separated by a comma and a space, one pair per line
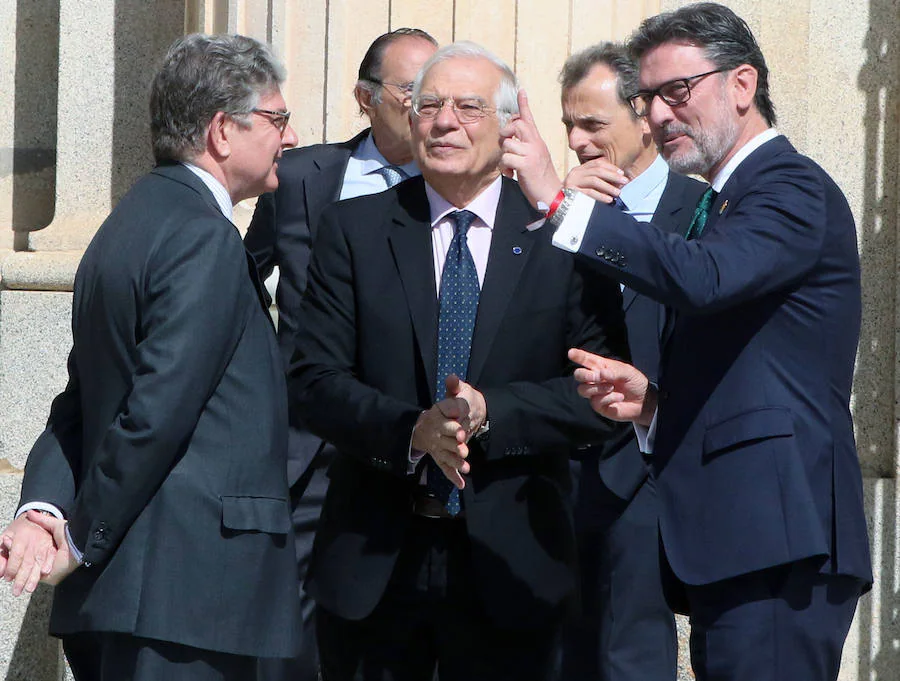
73, 136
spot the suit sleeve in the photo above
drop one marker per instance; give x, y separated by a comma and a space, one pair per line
51, 471
325, 393
195, 306
769, 238
546, 416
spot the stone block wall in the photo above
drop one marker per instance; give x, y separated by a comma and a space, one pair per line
73, 136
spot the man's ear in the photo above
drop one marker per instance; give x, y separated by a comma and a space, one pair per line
744, 80
218, 135
363, 97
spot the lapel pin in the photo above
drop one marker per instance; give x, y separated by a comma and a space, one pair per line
517, 250
723, 206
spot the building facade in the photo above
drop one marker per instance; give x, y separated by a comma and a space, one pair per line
74, 136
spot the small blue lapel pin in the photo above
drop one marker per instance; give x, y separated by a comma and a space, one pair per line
517, 250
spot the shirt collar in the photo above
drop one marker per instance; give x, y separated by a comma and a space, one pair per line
484, 205
643, 185
725, 174
371, 160
220, 194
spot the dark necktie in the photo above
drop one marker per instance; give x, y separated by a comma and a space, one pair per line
620, 204
392, 175
701, 214
456, 321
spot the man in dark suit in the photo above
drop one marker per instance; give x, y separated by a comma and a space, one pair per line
761, 517
166, 452
625, 629
433, 357
281, 235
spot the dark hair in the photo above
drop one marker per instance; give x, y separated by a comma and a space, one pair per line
369, 77
723, 35
200, 76
615, 56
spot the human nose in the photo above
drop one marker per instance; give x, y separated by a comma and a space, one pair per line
446, 116
289, 137
577, 139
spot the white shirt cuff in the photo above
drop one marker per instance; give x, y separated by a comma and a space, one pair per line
570, 233
40, 506
76, 554
646, 435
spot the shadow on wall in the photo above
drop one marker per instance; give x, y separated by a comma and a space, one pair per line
35, 117
144, 31
879, 80
36, 656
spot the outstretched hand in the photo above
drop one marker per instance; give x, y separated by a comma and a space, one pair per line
615, 389
525, 152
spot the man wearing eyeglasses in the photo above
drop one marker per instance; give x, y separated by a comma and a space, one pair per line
433, 357
161, 473
761, 521
281, 235
624, 629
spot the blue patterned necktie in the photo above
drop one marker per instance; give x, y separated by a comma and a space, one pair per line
392, 175
701, 214
456, 322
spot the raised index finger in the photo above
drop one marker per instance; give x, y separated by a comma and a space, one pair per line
524, 109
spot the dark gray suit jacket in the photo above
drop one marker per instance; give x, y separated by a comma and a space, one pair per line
166, 450
281, 234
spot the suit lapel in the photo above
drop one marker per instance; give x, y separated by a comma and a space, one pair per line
330, 175
410, 241
511, 246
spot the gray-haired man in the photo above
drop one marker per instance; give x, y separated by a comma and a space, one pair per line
165, 454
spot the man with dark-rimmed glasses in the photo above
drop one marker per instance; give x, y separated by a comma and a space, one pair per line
762, 526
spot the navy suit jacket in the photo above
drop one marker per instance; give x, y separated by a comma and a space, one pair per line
755, 457
282, 234
619, 461
365, 369
166, 450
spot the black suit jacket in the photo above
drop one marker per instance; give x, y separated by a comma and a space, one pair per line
281, 234
166, 451
755, 460
365, 368
619, 461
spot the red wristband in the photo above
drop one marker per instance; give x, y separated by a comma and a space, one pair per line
553, 206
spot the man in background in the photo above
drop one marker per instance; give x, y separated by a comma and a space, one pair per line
281, 235
161, 473
625, 630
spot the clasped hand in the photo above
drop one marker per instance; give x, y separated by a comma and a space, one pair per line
33, 549
443, 431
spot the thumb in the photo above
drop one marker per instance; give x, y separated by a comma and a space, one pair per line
453, 385
53, 525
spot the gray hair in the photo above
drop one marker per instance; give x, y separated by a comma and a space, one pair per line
200, 76
369, 76
506, 100
725, 38
615, 57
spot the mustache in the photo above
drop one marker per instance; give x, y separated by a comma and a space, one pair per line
673, 129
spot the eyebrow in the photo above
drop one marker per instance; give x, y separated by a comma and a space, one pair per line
584, 118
